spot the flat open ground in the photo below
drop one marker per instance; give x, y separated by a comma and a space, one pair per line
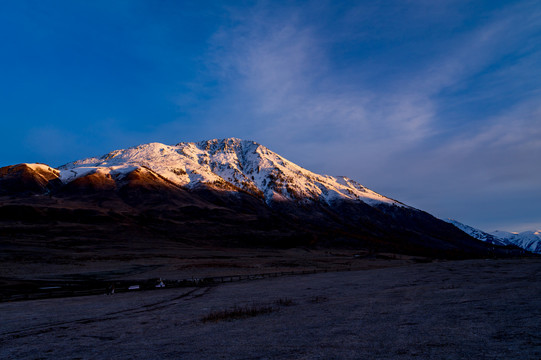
23, 275
474, 309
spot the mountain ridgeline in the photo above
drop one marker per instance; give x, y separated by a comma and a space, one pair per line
226, 193
527, 240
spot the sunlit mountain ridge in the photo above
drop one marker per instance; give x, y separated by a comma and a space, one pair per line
226, 164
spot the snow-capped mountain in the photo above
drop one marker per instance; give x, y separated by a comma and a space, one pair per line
479, 234
228, 164
226, 192
528, 240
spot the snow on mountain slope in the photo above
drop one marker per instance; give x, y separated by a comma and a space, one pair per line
528, 240
227, 164
478, 234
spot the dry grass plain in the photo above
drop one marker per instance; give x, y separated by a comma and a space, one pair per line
24, 275
472, 309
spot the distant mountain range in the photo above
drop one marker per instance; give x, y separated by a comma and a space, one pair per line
527, 240
478, 234
221, 192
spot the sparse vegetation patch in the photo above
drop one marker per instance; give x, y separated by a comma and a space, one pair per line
318, 299
285, 302
238, 312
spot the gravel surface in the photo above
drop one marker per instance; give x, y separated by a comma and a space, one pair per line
475, 309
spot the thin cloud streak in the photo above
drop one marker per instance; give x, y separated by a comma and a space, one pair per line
278, 74
284, 85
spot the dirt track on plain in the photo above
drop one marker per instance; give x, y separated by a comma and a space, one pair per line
475, 309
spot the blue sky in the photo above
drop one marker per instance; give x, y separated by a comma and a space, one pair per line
434, 103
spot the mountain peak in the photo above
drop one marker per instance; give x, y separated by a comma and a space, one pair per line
527, 240
227, 164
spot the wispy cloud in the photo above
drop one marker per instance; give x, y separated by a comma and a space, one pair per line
420, 125
278, 67
277, 71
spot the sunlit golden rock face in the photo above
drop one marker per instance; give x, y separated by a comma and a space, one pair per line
28, 178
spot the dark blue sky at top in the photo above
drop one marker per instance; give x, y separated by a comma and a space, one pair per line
434, 103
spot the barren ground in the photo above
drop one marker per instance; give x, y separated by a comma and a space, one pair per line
22, 276
475, 309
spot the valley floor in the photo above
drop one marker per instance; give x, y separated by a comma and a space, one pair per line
474, 309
